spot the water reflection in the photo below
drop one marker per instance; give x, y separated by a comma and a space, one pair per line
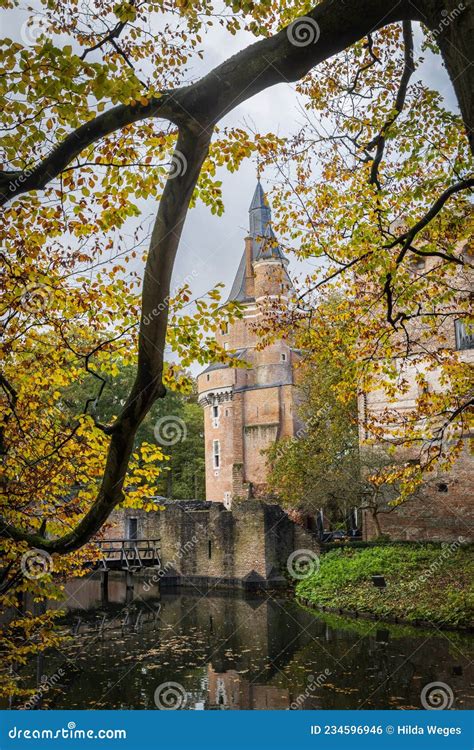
228, 651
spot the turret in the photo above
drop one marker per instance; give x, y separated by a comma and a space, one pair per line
246, 409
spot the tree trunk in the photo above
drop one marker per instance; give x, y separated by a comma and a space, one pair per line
375, 519
191, 149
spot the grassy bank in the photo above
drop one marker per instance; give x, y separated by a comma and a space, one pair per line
432, 583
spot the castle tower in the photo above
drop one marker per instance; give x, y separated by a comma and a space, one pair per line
246, 410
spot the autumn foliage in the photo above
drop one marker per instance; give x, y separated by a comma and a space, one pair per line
373, 179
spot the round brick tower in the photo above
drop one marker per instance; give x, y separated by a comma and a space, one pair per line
246, 410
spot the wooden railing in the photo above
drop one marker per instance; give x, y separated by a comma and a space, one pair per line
129, 554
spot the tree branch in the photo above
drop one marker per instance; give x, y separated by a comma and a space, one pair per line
148, 384
202, 104
37, 177
408, 69
407, 237
194, 109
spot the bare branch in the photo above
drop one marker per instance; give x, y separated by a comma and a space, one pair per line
407, 238
408, 69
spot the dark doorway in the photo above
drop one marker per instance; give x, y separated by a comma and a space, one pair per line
132, 529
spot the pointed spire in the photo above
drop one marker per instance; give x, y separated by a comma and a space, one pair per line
261, 231
260, 214
261, 237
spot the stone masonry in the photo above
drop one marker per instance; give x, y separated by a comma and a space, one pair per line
204, 544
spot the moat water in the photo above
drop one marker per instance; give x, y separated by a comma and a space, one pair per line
223, 650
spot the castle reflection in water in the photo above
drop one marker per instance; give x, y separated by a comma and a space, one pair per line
229, 651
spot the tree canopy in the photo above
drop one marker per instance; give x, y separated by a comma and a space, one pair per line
102, 107
319, 467
94, 103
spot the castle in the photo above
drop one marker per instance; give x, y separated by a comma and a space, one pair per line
246, 409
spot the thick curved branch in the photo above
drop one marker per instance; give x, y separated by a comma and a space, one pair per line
379, 142
199, 106
36, 178
194, 109
452, 26
406, 239
148, 384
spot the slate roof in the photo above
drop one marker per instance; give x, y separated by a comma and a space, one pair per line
238, 354
264, 243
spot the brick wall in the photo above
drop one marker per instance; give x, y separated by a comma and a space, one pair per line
444, 511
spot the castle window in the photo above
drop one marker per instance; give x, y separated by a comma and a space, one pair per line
132, 529
283, 357
216, 453
224, 328
215, 412
464, 335
208, 376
